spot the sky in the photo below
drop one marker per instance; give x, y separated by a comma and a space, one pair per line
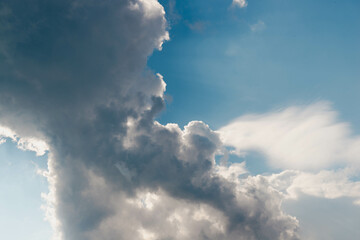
154, 120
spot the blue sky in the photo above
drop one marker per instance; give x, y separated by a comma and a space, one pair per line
304, 51
283, 61
269, 55
20, 208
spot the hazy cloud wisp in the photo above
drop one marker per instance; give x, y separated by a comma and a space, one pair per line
299, 137
307, 142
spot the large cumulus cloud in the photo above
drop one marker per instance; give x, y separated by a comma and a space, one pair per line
73, 74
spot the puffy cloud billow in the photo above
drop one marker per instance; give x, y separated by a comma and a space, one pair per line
240, 3
74, 75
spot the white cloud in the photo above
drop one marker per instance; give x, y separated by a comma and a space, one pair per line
24, 143
232, 172
257, 27
240, 3
6, 133
32, 144
306, 141
299, 137
329, 184
151, 10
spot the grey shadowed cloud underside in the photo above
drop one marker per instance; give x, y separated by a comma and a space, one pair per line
74, 74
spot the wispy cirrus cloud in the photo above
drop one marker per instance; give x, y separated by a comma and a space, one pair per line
317, 152
330, 184
258, 27
298, 137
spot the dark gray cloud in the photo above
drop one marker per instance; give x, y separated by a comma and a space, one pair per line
74, 74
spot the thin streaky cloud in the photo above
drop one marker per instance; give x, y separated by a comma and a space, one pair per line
298, 137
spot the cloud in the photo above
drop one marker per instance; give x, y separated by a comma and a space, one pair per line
24, 143
6, 133
197, 26
328, 184
308, 143
173, 17
74, 74
257, 27
240, 3
299, 137
32, 144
